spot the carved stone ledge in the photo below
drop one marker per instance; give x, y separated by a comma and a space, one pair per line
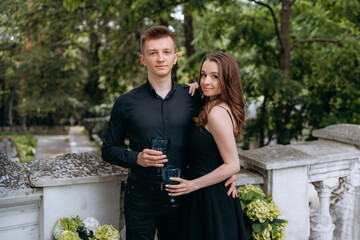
346, 133
73, 169
275, 157
331, 159
13, 177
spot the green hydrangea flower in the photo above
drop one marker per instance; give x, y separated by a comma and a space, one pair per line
265, 235
263, 213
66, 224
68, 235
106, 232
249, 188
281, 226
280, 236
71, 224
274, 211
257, 211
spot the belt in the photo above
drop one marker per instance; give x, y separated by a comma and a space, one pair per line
152, 184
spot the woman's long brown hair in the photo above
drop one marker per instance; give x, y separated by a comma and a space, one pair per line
231, 91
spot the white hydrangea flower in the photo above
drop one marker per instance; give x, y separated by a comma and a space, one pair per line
91, 223
58, 229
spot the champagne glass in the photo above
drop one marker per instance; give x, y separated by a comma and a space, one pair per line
168, 172
160, 144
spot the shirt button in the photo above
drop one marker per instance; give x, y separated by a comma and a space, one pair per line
165, 120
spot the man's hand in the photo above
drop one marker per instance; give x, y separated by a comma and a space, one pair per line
232, 190
151, 158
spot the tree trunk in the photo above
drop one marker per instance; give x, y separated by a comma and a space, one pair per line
263, 119
11, 103
189, 37
92, 86
283, 111
22, 79
285, 38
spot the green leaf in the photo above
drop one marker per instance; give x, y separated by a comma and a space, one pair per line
278, 221
259, 227
252, 196
274, 230
243, 205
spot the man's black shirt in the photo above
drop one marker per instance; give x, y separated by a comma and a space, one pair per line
141, 115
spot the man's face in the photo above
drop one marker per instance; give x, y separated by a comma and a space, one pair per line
159, 57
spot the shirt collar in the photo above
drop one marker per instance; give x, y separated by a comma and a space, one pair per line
152, 90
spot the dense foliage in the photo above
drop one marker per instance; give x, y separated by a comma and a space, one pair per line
25, 144
63, 60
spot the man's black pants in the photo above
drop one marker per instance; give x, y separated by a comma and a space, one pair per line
148, 209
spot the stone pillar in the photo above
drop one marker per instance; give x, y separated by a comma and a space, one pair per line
322, 226
285, 173
19, 203
77, 184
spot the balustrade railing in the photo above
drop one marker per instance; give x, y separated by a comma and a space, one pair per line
34, 195
327, 164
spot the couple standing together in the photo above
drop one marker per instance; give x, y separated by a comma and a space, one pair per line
202, 136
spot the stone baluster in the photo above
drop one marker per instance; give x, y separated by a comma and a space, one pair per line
349, 134
322, 226
285, 172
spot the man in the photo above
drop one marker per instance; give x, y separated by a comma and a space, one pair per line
160, 107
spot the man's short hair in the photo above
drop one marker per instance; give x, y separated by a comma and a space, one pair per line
156, 32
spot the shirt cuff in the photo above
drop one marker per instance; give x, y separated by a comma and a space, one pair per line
132, 158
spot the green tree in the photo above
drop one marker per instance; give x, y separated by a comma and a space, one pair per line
72, 58
278, 45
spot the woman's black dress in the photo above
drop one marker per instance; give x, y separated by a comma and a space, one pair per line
210, 214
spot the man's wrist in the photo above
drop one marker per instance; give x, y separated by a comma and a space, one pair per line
133, 158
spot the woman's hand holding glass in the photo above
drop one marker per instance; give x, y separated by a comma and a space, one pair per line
188, 186
184, 187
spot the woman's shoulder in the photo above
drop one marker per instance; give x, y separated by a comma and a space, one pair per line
219, 111
221, 115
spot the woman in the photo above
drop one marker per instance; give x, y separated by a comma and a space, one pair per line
210, 212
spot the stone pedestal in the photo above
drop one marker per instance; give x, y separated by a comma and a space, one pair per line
19, 203
286, 179
100, 200
77, 184
19, 215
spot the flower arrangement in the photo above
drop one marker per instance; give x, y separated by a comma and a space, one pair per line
83, 229
261, 215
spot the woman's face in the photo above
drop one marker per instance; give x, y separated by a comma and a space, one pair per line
209, 80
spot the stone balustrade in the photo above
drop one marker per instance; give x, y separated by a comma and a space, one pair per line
35, 194
331, 166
